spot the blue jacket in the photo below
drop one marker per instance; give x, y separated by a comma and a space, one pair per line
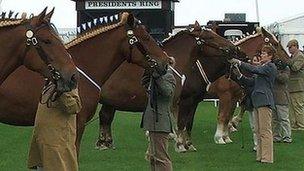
262, 95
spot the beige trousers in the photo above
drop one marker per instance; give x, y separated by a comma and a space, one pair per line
157, 152
296, 110
263, 130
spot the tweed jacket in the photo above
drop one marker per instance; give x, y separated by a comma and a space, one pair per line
158, 118
296, 64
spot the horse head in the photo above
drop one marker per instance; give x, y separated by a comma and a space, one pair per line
141, 48
253, 44
38, 47
270, 39
216, 50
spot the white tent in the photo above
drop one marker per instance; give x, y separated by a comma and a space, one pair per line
0, 6
290, 28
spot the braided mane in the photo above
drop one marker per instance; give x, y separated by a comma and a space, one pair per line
98, 30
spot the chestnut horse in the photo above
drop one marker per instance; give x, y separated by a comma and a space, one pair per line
229, 92
124, 92
34, 44
97, 53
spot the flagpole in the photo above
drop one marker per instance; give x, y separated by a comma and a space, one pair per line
257, 10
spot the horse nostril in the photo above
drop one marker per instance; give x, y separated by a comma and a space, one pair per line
73, 81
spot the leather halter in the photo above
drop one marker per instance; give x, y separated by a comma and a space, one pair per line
200, 42
134, 41
33, 41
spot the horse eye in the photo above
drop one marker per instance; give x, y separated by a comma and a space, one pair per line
146, 38
47, 41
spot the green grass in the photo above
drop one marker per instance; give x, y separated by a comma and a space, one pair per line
131, 144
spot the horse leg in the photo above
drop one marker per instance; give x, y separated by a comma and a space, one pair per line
106, 116
189, 144
225, 105
226, 123
238, 118
174, 117
183, 117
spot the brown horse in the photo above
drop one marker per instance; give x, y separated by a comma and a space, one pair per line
34, 44
229, 92
122, 92
97, 53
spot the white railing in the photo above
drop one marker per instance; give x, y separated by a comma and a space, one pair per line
216, 101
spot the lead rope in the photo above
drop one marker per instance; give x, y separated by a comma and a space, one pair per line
203, 74
51, 98
182, 77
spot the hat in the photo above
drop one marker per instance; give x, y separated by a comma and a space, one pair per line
293, 42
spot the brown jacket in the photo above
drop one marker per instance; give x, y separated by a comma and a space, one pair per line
54, 134
296, 64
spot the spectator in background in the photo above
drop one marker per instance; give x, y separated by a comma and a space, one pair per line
281, 124
296, 85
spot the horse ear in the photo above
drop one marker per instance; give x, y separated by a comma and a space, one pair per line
264, 32
49, 15
258, 30
131, 20
41, 16
197, 26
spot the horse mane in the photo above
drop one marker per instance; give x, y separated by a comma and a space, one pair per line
10, 19
259, 32
188, 31
171, 37
102, 28
244, 39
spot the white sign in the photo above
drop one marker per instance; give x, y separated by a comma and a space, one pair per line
123, 4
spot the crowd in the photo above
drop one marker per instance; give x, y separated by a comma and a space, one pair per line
275, 97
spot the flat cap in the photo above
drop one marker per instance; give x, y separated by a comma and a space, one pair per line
293, 42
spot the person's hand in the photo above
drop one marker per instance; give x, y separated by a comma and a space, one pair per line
234, 61
237, 72
281, 65
155, 74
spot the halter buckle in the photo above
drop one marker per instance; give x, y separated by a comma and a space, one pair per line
34, 41
133, 40
56, 75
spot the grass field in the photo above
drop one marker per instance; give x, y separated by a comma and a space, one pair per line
131, 144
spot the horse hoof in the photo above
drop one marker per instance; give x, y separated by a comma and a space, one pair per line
172, 136
235, 121
227, 140
219, 141
104, 145
232, 129
192, 148
180, 148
